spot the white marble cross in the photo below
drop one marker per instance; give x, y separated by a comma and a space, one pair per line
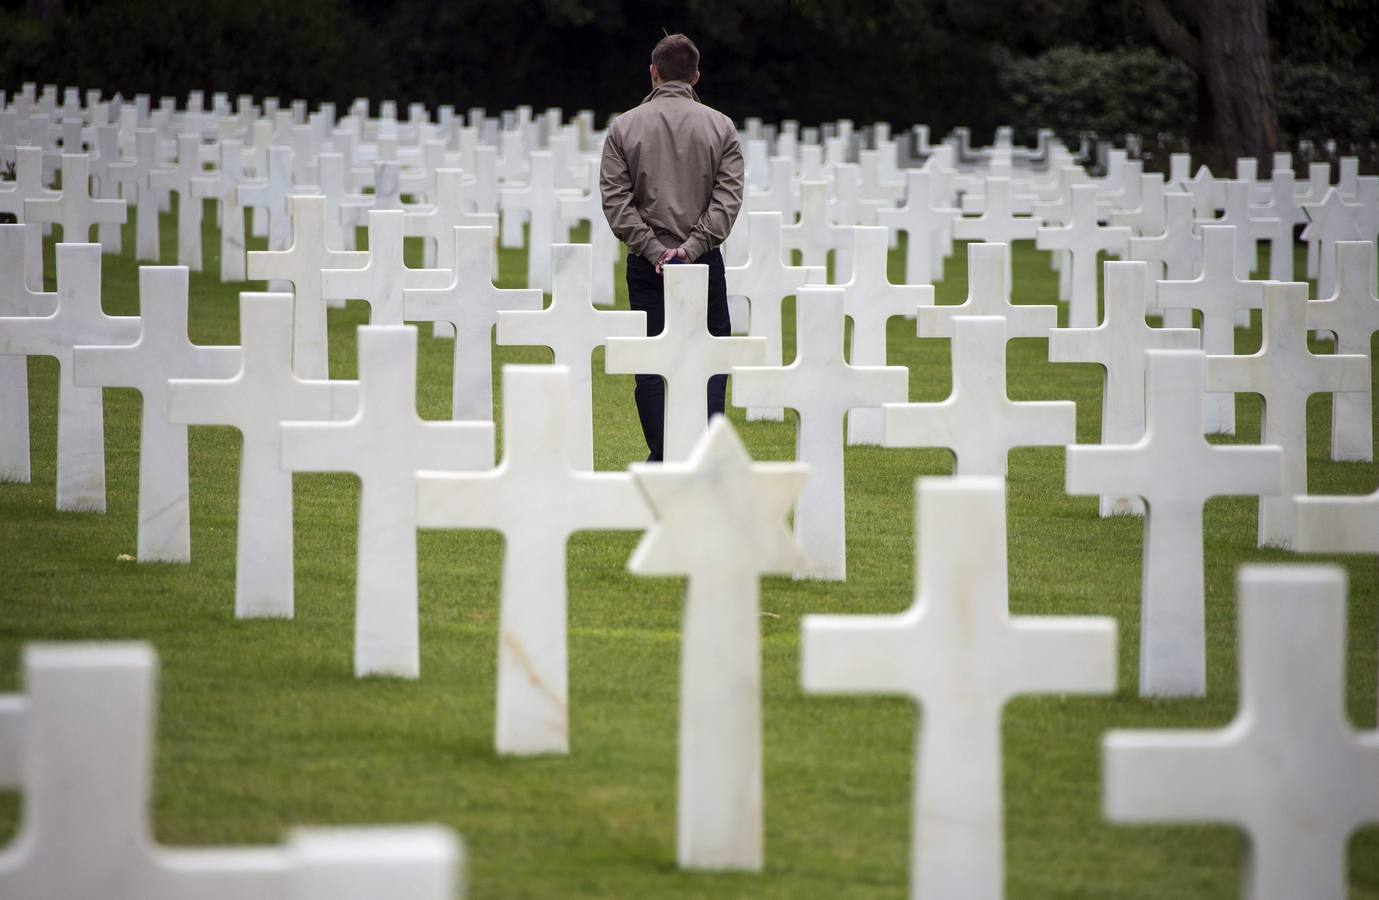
74, 210
871, 301
16, 299
1284, 372
686, 355
263, 394
270, 193
1084, 239
26, 187
383, 281
386, 443
536, 500
1352, 314
1338, 524
978, 422
1119, 345
162, 352
222, 186
721, 521
822, 388
573, 328
1173, 255
587, 206
302, 265
77, 319
133, 176
960, 654
190, 182
814, 235
539, 200
928, 228
1290, 770
998, 223
434, 223
988, 294
1175, 471
470, 304
1252, 225
84, 752
1146, 218
1332, 221
766, 280
1219, 295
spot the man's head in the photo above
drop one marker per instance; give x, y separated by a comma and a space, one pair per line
674, 59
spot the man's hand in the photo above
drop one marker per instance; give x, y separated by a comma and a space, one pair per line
678, 254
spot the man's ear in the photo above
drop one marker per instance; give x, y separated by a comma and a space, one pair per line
694, 80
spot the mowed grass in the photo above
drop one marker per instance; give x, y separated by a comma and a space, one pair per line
262, 725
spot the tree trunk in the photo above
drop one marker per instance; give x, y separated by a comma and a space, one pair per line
1236, 112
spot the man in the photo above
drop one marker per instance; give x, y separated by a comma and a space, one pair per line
671, 180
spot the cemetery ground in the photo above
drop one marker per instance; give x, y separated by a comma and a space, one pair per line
263, 726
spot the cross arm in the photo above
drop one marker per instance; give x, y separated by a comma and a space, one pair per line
1168, 777
110, 367
860, 654
321, 447
1073, 654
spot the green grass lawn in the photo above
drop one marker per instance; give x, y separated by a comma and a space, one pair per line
262, 725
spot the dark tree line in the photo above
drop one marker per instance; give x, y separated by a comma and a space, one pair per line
942, 62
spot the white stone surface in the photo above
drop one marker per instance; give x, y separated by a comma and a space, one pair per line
815, 235
1352, 315
721, 521
470, 303
1219, 295
189, 182
1084, 238
871, 301
685, 355
573, 328
383, 281
536, 500
766, 280
988, 294
978, 422
1120, 345
87, 753
961, 656
822, 388
1290, 770
1175, 471
162, 352
386, 443
1338, 524
76, 318
16, 299
1284, 372
263, 394
74, 210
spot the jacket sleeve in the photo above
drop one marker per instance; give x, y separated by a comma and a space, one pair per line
615, 184
724, 203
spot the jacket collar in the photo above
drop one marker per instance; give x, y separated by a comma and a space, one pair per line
681, 89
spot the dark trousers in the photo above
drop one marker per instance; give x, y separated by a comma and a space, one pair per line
646, 292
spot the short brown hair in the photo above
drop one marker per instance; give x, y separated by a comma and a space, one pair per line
675, 58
